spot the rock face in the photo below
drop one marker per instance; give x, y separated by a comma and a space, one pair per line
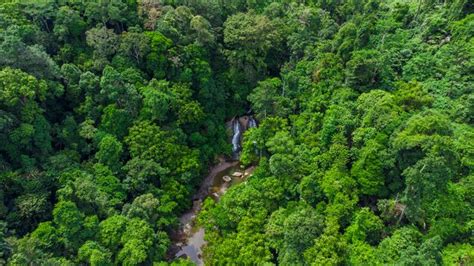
247, 121
244, 121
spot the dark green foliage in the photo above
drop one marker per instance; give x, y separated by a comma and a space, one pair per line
112, 110
366, 125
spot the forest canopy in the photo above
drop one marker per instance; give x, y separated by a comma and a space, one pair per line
112, 111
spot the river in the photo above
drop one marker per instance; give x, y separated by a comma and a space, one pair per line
188, 240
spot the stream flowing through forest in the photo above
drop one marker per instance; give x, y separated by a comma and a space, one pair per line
188, 240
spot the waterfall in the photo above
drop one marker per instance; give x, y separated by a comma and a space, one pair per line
252, 122
239, 125
237, 136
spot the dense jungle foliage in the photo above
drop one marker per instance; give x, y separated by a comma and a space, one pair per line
111, 112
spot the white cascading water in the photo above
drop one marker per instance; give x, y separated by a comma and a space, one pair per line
237, 135
252, 122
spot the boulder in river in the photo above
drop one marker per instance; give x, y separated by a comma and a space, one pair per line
237, 174
227, 178
187, 229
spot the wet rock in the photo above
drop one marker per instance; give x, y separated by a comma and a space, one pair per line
187, 229
181, 256
227, 178
186, 232
237, 174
